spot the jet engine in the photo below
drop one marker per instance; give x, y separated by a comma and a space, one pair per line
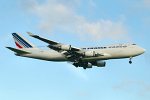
65, 47
100, 63
89, 65
89, 54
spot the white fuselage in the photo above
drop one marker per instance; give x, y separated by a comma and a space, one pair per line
115, 51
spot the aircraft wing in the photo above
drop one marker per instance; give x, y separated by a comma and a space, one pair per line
53, 44
43, 39
69, 51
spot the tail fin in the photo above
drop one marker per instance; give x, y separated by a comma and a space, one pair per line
21, 42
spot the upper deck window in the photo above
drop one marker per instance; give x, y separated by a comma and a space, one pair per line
133, 44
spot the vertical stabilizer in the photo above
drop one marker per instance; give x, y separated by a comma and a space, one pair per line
22, 42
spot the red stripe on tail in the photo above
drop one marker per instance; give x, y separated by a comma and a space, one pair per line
18, 45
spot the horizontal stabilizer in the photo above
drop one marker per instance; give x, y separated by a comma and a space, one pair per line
18, 50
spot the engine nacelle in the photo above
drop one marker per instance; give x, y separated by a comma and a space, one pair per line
65, 47
100, 63
84, 65
89, 65
89, 54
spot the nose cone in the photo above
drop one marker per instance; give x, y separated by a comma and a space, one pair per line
142, 50
137, 50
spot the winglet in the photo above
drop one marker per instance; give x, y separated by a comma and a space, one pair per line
30, 34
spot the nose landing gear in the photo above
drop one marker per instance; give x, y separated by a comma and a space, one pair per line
130, 60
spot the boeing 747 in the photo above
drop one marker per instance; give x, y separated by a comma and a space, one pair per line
85, 57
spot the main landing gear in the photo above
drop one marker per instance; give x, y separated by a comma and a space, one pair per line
130, 60
84, 67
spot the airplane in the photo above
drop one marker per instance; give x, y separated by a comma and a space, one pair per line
85, 57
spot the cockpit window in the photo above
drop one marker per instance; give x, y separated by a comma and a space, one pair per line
133, 44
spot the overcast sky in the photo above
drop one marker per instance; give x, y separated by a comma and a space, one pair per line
80, 23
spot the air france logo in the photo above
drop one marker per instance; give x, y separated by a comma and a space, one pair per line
105, 47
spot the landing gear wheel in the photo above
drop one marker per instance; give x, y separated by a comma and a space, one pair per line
75, 64
84, 67
130, 60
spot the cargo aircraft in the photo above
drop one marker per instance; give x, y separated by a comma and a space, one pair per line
85, 57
